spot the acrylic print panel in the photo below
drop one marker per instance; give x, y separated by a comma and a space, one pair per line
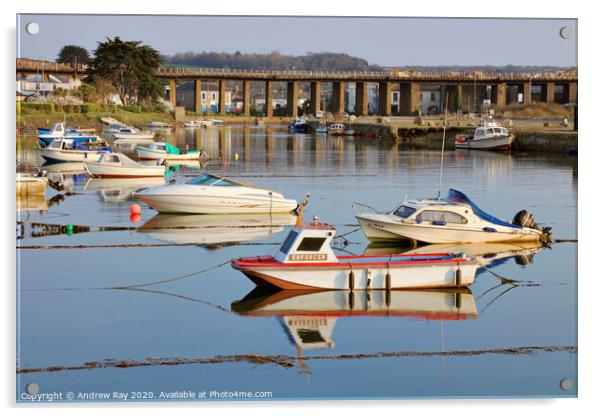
166, 250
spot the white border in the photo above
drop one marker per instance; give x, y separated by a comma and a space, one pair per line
589, 189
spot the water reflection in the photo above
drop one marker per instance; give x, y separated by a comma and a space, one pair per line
118, 190
215, 229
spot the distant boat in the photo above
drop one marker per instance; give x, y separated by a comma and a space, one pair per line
336, 129
349, 132
211, 194
132, 133
488, 136
455, 219
322, 128
159, 125
201, 123
58, 131
299, 125
118, 165
70, 150
161, 150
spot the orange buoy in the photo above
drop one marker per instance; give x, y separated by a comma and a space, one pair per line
135, 209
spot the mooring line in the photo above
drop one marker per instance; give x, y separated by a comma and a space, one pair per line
288, 361
84, 246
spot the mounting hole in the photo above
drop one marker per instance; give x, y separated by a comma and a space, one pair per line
565, 32
32, 28
566, 384
32, 388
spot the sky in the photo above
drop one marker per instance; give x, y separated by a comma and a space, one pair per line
383, 41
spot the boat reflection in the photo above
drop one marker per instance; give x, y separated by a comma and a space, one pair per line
309, 317
31, 202
487, 254
215, 229
69, 174
117, 190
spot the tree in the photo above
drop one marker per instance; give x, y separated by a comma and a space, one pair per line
87, 93
72, 54
130, 66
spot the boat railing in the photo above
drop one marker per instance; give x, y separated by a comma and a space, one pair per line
365, 209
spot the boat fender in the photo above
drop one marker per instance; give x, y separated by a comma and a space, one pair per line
458, 276
489, 229
439, 222
351, 280
368, 281
351, 300
388, 281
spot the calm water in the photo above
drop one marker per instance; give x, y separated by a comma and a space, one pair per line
66, 320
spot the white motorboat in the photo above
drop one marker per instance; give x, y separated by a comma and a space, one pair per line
215, 229
118, 165
336, 129
488, 136
211, 194
132, 133
455, 219
70, 150
159, 125
59, 131
305, 260
198, 123
161, 150
322, 128
113, 127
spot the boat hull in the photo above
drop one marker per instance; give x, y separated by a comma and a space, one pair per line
218, 204
133, 136
101, 170
337, 276
381, 230
491, 143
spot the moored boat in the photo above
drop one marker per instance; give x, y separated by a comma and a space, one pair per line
455, 219
118, 165
299, 125
58, 131
161, 150
211, 194
71, 150
336, 129
305, 260
198, 123
488, 136
132, 133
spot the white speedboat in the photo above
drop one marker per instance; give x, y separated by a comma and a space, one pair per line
113, 127
198, 123
336, 129
305, 260
211, 194
160, 150
215, 229
132, 133
70, 150
488, 136
118, 165
455, 219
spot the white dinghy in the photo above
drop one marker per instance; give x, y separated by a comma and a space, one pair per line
161, 150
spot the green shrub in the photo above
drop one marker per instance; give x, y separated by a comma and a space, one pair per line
84, 108
37, 108
132, 108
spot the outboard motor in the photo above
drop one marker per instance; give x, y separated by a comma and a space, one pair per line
526, 219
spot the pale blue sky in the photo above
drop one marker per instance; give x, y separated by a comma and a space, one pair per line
383, 41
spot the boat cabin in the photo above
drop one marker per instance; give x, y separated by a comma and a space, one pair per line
486, 131
308, 244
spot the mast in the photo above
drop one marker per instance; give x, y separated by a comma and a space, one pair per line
442, 147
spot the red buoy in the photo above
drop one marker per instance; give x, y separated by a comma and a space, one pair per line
135, 209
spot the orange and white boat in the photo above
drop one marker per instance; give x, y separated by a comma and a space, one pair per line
305, 260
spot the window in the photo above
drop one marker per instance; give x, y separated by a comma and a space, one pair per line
433, 96
497, 130
447, 216
213, 96
210, 180
161, 147
111, 158
404, 212
204, 96
286, 246
489, 131
311, 244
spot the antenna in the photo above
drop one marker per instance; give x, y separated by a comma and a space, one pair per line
442, 147
299, 222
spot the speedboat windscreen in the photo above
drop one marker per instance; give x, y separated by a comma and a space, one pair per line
210, 180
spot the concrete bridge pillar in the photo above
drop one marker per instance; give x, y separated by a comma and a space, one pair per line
222, 96
361, 98
246, 97
172, 92
499, 95
409, 98
269, 111
315, 97
197, 95
573, 92
458, 98
338, 97
548, 91
526, 90
384, 98
292, 98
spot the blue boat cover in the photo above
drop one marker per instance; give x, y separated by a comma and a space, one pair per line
458, 197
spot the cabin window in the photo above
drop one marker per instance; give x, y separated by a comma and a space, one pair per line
497, 130
111, 158
310, 336
286, 246
161, 148
311, 244
489, 131
447, 216
404, 212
